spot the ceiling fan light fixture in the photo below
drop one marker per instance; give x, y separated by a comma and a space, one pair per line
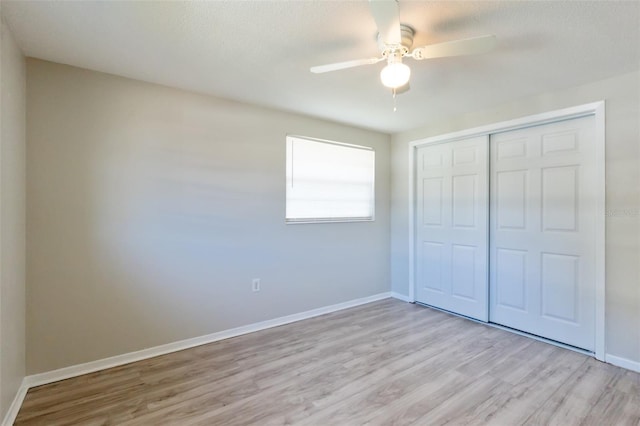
395, 74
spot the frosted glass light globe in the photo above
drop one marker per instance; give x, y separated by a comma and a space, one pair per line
395, 75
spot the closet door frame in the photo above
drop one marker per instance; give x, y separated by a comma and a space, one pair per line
596, 109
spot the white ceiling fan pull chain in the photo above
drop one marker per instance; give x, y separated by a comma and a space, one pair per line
395, 105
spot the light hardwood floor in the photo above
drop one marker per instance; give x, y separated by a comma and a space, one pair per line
384, 363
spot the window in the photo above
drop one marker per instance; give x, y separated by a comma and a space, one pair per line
329, 181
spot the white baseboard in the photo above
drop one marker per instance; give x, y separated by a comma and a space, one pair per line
400, 296
623, 362
101, 364
12, 413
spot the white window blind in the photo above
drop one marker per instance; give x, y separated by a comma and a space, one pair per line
329, 181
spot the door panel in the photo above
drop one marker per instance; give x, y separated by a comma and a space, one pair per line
559, 198
560, 286
542, 227
511, 199
432, 266
452, 218
464, 195
511, 271
463, 271
432, 201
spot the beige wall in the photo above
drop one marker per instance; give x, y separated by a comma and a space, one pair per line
150, 210
622, 95
12, 218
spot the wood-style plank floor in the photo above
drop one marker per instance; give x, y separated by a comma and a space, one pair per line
384, 363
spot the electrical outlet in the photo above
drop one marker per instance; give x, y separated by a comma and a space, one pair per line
255, 284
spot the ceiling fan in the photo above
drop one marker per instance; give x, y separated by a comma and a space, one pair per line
395, 41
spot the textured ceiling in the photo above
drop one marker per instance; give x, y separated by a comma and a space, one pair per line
260, 51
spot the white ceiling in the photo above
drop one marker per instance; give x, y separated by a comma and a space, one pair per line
260, 51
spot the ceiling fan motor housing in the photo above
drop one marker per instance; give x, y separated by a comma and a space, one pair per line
407, 34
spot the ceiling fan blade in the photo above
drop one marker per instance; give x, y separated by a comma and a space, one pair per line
342, 65
387, 17
467, 46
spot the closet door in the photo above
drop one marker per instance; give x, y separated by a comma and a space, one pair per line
451, 226
542, 231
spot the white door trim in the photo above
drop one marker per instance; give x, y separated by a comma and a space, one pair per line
597, 109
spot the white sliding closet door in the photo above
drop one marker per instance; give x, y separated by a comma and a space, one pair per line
451, 232
542, 229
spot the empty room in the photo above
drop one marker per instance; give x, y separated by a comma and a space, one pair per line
319, 212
